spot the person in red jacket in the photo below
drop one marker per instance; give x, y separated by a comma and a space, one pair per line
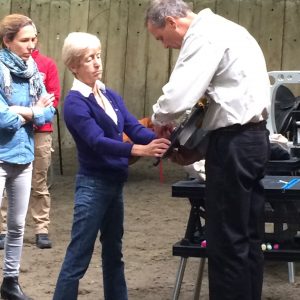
40, 197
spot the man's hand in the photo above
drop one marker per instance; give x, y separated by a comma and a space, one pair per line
163, 131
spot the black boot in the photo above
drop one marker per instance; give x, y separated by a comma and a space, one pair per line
42, 241
11, 290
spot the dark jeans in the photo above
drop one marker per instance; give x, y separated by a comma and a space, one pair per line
235, 164
98, 207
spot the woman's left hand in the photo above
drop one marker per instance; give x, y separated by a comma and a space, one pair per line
155, 148
45, 100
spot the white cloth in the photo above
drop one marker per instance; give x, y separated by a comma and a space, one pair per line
222, 59
86, 90
281, 140
196, 170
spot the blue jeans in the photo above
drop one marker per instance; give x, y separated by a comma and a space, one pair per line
98, 207
17, 181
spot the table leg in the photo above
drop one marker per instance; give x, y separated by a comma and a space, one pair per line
291, 271
179, 277
199, 279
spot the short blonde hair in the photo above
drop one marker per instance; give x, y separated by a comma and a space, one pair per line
75, 46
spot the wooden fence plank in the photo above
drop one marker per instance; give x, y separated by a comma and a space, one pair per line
201, 4
229, 9
136, 58
98, 22
250, 16
58, 30
291, 41
79, 14
272, 17
114, 63
79, 10
157, 72
40, 13
21, 7
5, 8
291, 36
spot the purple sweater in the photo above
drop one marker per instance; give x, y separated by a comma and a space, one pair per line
99, 141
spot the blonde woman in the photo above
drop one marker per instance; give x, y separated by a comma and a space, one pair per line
97, 118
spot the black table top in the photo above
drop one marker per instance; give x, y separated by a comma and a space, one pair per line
276, 187
284, 166
286, 253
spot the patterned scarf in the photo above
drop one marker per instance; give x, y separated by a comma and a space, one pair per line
11, 63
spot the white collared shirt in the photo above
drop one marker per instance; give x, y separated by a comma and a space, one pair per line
86, 90
222, 59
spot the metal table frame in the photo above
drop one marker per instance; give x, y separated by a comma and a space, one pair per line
195, 192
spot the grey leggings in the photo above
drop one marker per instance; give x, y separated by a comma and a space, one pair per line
17, 181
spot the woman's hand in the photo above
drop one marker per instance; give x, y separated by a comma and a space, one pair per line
155, 148
25, 113
45, 100
16, 109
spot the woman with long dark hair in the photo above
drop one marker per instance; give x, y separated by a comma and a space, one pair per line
23, 102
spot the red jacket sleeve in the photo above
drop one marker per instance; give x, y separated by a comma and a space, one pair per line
52, 83
49, 72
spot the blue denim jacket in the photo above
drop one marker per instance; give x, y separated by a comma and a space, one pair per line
16, 138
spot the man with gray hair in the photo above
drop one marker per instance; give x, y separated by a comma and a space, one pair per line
221, 59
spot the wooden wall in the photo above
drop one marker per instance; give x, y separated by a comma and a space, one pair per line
136, 65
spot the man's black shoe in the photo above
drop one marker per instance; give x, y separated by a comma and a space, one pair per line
42, 241
2, 240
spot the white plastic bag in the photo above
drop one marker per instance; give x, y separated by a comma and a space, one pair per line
196, 170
